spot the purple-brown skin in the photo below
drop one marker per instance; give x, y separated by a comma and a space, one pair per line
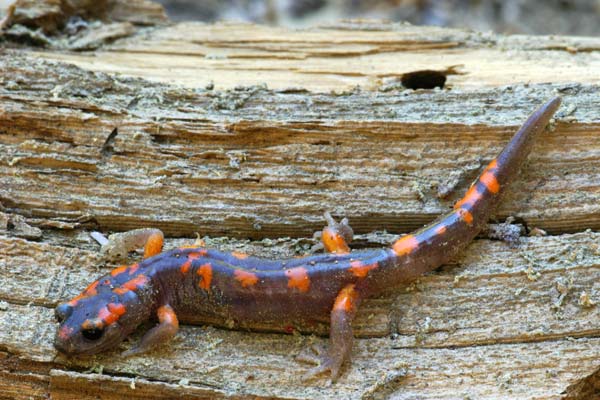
233, 290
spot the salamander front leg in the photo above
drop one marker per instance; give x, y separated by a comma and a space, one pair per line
340, 336
118, 245
167, 327
335, 237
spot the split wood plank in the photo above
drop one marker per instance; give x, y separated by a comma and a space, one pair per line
253, 132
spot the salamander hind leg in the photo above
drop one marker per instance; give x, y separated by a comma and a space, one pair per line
340, 336
167, 327
335, 237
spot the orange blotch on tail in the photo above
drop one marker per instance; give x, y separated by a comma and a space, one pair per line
465, 216
245, 278
205, 271
492, 165
361, 270
405, 245
346, 299
441, 230
298, 278
490, 181
471, 198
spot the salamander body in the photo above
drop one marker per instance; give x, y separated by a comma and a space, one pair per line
200, 285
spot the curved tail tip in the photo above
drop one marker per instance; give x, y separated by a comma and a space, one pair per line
552, 104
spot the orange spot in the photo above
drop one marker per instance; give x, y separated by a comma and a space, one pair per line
465, 216
361, 270
205, 271
106, 316
136, 282
120, 290
91, 289
334, 242
88, 292
239, 255
133, 268
441, 230
298, 278
492, 165
116, 308
490, 181
245, 278
405, 245
185, 267
346, 299
167, 315
118, 270
153, 245
471, 197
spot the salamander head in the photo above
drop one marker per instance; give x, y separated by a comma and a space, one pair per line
80, 332
99, 318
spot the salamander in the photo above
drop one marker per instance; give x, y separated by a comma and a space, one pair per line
198, 284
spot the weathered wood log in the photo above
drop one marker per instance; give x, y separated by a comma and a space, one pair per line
251, 133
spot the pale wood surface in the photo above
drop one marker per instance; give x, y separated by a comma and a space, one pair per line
263, 161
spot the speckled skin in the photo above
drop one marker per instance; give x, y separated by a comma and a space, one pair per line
233, 290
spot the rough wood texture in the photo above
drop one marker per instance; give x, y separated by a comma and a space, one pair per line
263, 161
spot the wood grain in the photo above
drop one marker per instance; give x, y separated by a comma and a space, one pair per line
498, 307
295, 123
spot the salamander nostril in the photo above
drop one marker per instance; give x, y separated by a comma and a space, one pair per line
62, 312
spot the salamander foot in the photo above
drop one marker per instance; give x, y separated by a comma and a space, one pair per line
324, 362
335, 237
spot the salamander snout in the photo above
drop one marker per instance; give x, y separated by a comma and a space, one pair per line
62, 312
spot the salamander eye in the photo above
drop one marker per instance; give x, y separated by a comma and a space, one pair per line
92, 333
